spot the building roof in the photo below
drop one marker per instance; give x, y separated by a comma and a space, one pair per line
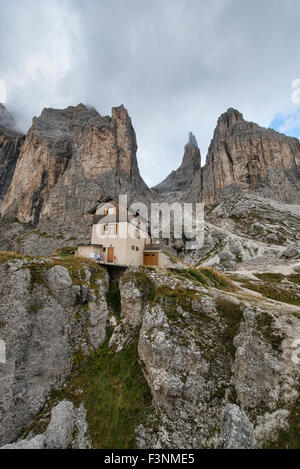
104, 200
107, 199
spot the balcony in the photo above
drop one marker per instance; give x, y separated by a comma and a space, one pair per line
153, 247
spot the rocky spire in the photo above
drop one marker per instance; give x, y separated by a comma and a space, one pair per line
180, 179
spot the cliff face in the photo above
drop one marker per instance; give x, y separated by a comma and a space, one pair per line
180, 179
50, 312
69, 159
203, 351
252, 158
10, 146
192, 360
242, 157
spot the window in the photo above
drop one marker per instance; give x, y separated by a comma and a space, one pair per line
111, 211
137, 249
104, 249
105, 229
111, 229
132, 247
137, 234
105, 212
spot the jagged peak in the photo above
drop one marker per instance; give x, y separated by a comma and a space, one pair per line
192, 154
70, 110
120, 111
230, 117
227, 122
192, 140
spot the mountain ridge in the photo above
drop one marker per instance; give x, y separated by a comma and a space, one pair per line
244, 157
73, 157
68, 160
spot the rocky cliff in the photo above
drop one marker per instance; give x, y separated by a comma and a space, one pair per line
51, 312
251, 158
218, 362
246, 232
180, 179
242, 157
10, 145
69, 160
191, 359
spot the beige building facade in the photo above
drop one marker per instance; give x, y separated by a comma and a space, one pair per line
119, 242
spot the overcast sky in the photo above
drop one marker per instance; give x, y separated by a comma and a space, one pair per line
175, 64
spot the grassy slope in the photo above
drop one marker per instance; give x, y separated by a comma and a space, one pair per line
116, 396
275, 287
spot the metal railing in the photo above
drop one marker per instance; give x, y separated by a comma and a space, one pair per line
152, 247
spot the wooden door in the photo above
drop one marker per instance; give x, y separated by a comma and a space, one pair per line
147, 258
151, 258
110, 255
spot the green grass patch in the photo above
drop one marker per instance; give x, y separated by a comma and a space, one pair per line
76, 267
115, 394
38, 233
274, 286
206, 276
172, 299
270, 277
273, 292
113, 298
266, 326
217, 279
36, 276
34, 307
65, 251
295, 278
290, 438
9, 256
232, 315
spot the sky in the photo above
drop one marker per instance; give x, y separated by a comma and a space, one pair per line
176, 65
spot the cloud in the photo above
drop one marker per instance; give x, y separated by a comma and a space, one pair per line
175, 64
288, 124
37, 56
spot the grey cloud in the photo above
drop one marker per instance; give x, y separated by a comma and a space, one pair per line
175, 64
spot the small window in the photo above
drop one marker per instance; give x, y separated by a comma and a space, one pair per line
137, 249
111, 211
132, 247
105, 212
104, 249
105, 229
111, 229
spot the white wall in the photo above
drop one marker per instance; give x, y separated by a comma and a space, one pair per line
122, 244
